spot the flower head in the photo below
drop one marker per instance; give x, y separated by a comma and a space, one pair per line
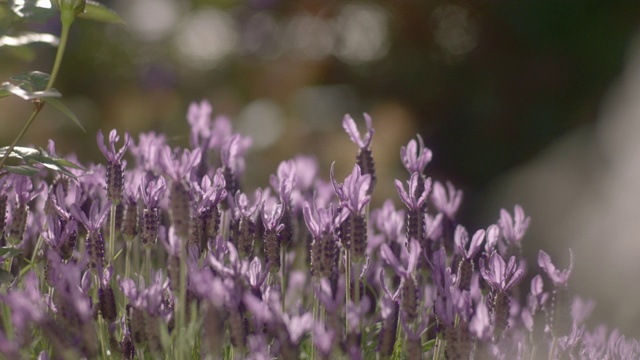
446, 201
461, 239
152, 190
412, 199
96, 218
500, 275
350, 127
178, 165
513, 229
415, 156
558, 277
353, 192
110, 152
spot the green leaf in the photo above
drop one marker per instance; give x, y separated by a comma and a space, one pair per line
428, 345
5, 277
26, 170
35, 10
32, 81
32, 156
65, 110
9, 252
29, 86
28, 95
98, 12
28, 38
4, 93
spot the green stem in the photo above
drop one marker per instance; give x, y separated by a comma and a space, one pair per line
66, 17
553, 348
147, 264
34, 113
112, 232
127, 260
315, 320
284, 276
182, 306
347, 277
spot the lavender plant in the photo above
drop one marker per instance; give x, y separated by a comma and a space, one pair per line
217, 289
314, 271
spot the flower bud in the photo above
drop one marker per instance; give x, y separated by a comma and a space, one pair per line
77, 6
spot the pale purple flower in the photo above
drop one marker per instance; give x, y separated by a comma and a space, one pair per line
233, 151
211, 191
446, 200
271, 220
353, 193
113, 156
326, 222
352, 130
461, 239
412, 198
151, 191
389, 221
284, 180
501, 276
242, 203
179, 165
513, 229
401, 270
96, 218
148, 152
415, 156
199, 118
558, 277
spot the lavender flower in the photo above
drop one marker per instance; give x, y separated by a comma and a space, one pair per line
272, 230
179, 167
408, 285
246, 227
465, 266
414, 201
115, 171
284, 183
23, 188
95, 241
364, 159
151, 191
415, 156
560, 315
513, 229
446, 201
501, 277
148, 152
354, 195
232, 155
205, 222
324, 246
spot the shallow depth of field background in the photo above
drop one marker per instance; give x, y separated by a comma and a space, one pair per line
536, 103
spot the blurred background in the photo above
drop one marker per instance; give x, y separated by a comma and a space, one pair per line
534, 103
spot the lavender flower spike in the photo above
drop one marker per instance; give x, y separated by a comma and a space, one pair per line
115, 172
353, 193
500, 275
446, 201
350, 127
412, 199
110, 153
415, 156
461, 239
558, 277
513, 229
364, 158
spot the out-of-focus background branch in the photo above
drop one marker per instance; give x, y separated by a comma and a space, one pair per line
521, 102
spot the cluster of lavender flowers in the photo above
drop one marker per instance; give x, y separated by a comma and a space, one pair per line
303, 268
